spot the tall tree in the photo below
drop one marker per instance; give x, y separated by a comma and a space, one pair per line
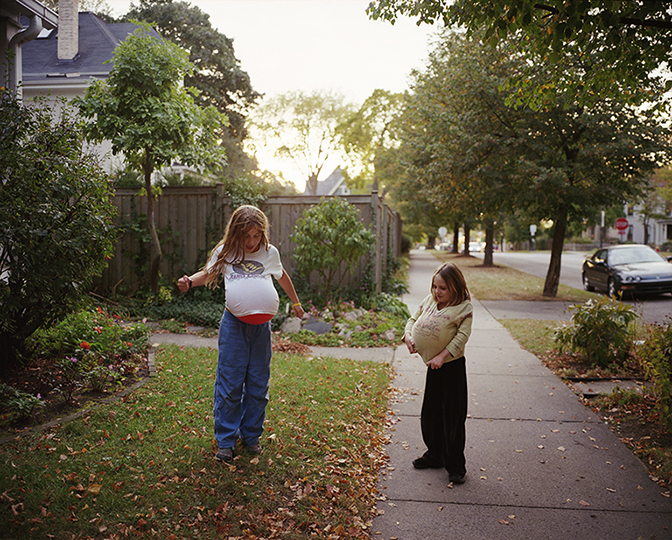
367, 135
302, 129
557, 163
217, 73
614, 49
149, 116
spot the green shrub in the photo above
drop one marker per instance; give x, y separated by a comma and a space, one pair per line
656, 358
92, 330
20, 403
599, 331
328, 236
55, 220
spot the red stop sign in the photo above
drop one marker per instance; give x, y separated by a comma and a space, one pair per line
622, 224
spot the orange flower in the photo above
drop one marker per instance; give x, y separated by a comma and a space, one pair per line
85, 345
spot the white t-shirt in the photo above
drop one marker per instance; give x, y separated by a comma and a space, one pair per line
249, 284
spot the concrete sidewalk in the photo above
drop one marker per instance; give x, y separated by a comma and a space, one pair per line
540, 465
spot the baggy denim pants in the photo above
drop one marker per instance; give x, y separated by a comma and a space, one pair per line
242, 380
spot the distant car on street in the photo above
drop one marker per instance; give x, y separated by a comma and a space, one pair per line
630, 268
475, 247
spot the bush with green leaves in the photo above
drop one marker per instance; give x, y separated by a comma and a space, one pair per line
56, 229
655, 353
20, 403
600, 331
328, 236
93, 331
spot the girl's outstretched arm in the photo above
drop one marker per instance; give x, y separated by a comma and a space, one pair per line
195, 280
287, 286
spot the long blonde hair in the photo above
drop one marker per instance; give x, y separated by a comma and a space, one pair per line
243, 219
455, 282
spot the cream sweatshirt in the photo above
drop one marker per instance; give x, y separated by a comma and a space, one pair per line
434, 329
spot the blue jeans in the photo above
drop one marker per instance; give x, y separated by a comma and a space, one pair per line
241, 384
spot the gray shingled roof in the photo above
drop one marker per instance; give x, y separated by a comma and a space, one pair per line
329, 184
97, 41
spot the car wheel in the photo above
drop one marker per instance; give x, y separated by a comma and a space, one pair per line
586, 283
612, 290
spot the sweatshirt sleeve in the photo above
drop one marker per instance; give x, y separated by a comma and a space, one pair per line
459, 342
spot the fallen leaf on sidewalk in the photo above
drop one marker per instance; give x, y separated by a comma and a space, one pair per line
584, 503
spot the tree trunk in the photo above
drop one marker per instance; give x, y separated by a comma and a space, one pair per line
312, 184
155, 244
553, 274
467, 232
456, 237
489, 243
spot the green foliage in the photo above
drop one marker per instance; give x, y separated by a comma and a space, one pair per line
656, 358
189, 310
90, 332
615, 48
218, 77
600, 331
22, 404
245, 190
90, 349
327, 236
55, 219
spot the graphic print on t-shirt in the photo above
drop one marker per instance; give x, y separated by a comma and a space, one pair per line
247, 268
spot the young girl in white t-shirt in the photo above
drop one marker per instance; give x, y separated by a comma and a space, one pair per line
438, 331
248, 262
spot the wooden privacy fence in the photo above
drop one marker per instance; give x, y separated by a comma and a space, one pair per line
191, 220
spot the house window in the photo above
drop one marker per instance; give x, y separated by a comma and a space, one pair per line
669, 231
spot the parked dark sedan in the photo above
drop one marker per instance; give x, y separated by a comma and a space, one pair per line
630, 268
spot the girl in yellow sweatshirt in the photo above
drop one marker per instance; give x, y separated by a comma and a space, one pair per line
439, 331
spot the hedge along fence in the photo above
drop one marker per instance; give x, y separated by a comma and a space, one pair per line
191, 220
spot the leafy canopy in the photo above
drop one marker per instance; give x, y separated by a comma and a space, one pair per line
217, 73
144, 109
614, 48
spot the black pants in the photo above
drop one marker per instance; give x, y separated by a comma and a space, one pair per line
443, 415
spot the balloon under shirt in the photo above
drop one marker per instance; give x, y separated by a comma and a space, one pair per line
250, 293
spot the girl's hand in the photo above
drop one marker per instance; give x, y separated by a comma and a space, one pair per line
298, 310
408, 339
184, 283
435, 363
440, 359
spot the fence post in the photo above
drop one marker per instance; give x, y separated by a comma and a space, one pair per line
377, 223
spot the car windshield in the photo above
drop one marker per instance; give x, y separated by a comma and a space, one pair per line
633, 255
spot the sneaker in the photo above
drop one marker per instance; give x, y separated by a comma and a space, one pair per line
456, 478
423, 463
255, 449
225, 455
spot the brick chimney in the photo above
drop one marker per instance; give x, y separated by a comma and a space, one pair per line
68, 30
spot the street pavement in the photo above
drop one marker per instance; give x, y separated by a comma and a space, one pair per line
539, 463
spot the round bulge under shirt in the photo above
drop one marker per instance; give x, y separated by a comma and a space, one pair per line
250, 293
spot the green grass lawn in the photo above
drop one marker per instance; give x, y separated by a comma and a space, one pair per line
505, 283
143, 465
